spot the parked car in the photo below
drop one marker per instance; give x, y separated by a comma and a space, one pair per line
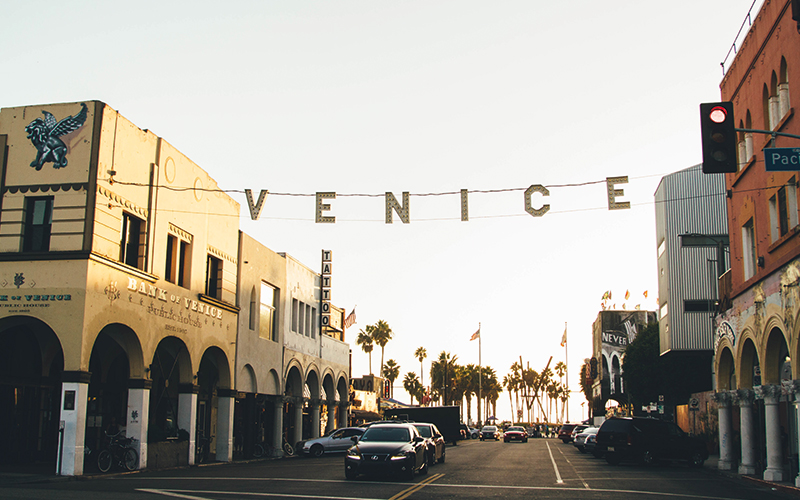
565, 432
580, 439
577, 430
515, 433
490, 432
470, 432
337, 440
591, 445
435, 440
387, 449
648, 440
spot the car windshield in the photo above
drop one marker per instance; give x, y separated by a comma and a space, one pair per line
424, 430
489, 428
386, 433
515, 429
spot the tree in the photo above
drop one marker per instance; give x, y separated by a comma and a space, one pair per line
413, 386
647, 374
421, 354
561, 370
390, 372
443, 376
365, 340
381, 334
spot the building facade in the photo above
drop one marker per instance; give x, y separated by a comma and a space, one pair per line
120, 303
692, 242
756, 335
612, 332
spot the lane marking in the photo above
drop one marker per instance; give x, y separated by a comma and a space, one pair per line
555, 467
408, 491
182, 494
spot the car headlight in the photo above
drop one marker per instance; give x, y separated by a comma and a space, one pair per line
354, 453
399, 456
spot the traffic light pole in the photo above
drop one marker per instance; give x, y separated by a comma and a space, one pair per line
767, 132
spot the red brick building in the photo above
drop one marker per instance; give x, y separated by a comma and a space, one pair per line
756, 340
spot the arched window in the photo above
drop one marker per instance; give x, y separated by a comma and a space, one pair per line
765, 107
254, 311
774, 104
783, 89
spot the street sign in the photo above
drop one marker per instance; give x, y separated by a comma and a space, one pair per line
781, 159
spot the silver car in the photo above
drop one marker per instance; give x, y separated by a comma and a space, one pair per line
338, 440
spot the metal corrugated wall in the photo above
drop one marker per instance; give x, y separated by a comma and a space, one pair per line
689, 202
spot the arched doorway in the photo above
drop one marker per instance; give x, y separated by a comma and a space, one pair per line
171, 367
212, 376
31, 364
726, 371
115, 349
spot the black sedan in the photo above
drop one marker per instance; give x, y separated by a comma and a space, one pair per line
387, 449
435, 441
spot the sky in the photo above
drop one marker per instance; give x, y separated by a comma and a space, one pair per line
426, 97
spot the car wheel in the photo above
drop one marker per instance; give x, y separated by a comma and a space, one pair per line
410, 470
441, 460
696, 459
648, 458
474, 436
317, 450
612, 458
350, 473
424, 469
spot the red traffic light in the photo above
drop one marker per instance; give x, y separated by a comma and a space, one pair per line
718, 114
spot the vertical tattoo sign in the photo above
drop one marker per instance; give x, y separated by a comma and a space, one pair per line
325, 288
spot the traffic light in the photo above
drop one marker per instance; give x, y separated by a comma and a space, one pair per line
719, 138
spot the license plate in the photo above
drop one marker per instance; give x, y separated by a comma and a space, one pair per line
610, 448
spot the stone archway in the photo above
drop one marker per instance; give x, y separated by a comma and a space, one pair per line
31, 366
726, 370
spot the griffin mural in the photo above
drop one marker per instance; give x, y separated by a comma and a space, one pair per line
45, 133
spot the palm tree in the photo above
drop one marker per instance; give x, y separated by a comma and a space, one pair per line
508, 383
561, 370
443, 376
366, 342
412, 385
472, 387
390, 372
421, 354
381, 334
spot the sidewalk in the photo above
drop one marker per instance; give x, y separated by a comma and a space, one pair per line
712, 464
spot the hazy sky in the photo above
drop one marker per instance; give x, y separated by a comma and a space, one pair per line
368, 97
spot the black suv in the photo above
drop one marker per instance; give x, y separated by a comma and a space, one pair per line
648, 440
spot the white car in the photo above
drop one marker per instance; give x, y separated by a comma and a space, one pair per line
338, 440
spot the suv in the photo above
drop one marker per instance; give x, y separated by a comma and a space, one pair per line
490, 432
647, 440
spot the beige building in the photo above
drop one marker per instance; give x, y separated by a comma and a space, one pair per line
119, 297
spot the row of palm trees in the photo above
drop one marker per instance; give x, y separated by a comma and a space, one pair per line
451, 383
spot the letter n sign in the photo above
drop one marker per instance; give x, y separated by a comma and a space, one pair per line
325, 288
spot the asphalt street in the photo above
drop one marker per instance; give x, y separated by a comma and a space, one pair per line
541, 468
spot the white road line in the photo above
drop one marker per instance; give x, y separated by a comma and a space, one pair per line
182, 494
555, 467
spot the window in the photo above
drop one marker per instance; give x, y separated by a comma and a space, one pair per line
132, 241
295, 313
178, 258
698, 306
749, 249
214, 277
783, 210
303, 319
269, 304
783, 89
38, 224
253, 311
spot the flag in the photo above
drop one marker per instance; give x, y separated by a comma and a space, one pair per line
350, 320
627, 294
564, 338
605, 296
476, 335
645, 294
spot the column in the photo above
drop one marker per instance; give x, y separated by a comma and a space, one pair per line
225, 404
187, 414
298, 421
796, 391
277, 425
723, 400
330, 406
316, 406
138, 416
74, 395
344, 410
772, 397
744, 398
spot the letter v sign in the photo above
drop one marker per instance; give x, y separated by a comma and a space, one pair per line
255, 210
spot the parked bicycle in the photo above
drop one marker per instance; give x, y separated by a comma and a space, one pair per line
119, 453
265, 449
201, 448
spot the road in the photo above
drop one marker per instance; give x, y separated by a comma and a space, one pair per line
541, 468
